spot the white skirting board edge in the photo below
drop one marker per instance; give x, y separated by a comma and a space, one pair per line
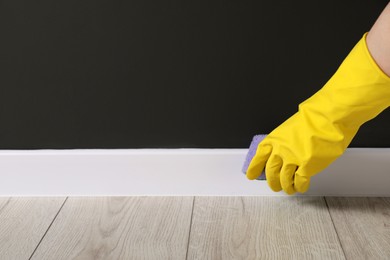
176, 172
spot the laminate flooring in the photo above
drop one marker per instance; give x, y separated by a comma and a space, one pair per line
147, 227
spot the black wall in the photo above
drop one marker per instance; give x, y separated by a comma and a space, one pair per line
169, 74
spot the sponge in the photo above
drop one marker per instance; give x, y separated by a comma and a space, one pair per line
251, 153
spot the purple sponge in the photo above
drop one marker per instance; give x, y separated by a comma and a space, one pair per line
251, 153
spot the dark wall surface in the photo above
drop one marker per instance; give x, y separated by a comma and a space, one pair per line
169, 74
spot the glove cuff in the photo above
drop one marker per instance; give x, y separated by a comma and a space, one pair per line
372, 61
356, 93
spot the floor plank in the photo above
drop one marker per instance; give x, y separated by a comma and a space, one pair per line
119, 228
23, 223
363, 225
262, 228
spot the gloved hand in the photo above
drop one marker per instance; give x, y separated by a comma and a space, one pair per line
324, 125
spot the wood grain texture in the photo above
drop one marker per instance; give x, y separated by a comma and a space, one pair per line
363, 226
119, 228
23, 223
262, 228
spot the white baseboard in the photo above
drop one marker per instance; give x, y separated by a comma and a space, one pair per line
172, 172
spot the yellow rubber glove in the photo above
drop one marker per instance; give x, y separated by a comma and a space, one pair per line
324, 125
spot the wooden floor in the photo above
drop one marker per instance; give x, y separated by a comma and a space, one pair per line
194, 228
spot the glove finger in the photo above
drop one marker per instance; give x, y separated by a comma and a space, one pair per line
257, 163
287, 178
272, 172
301, 182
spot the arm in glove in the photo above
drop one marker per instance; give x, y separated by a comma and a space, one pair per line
324, 125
